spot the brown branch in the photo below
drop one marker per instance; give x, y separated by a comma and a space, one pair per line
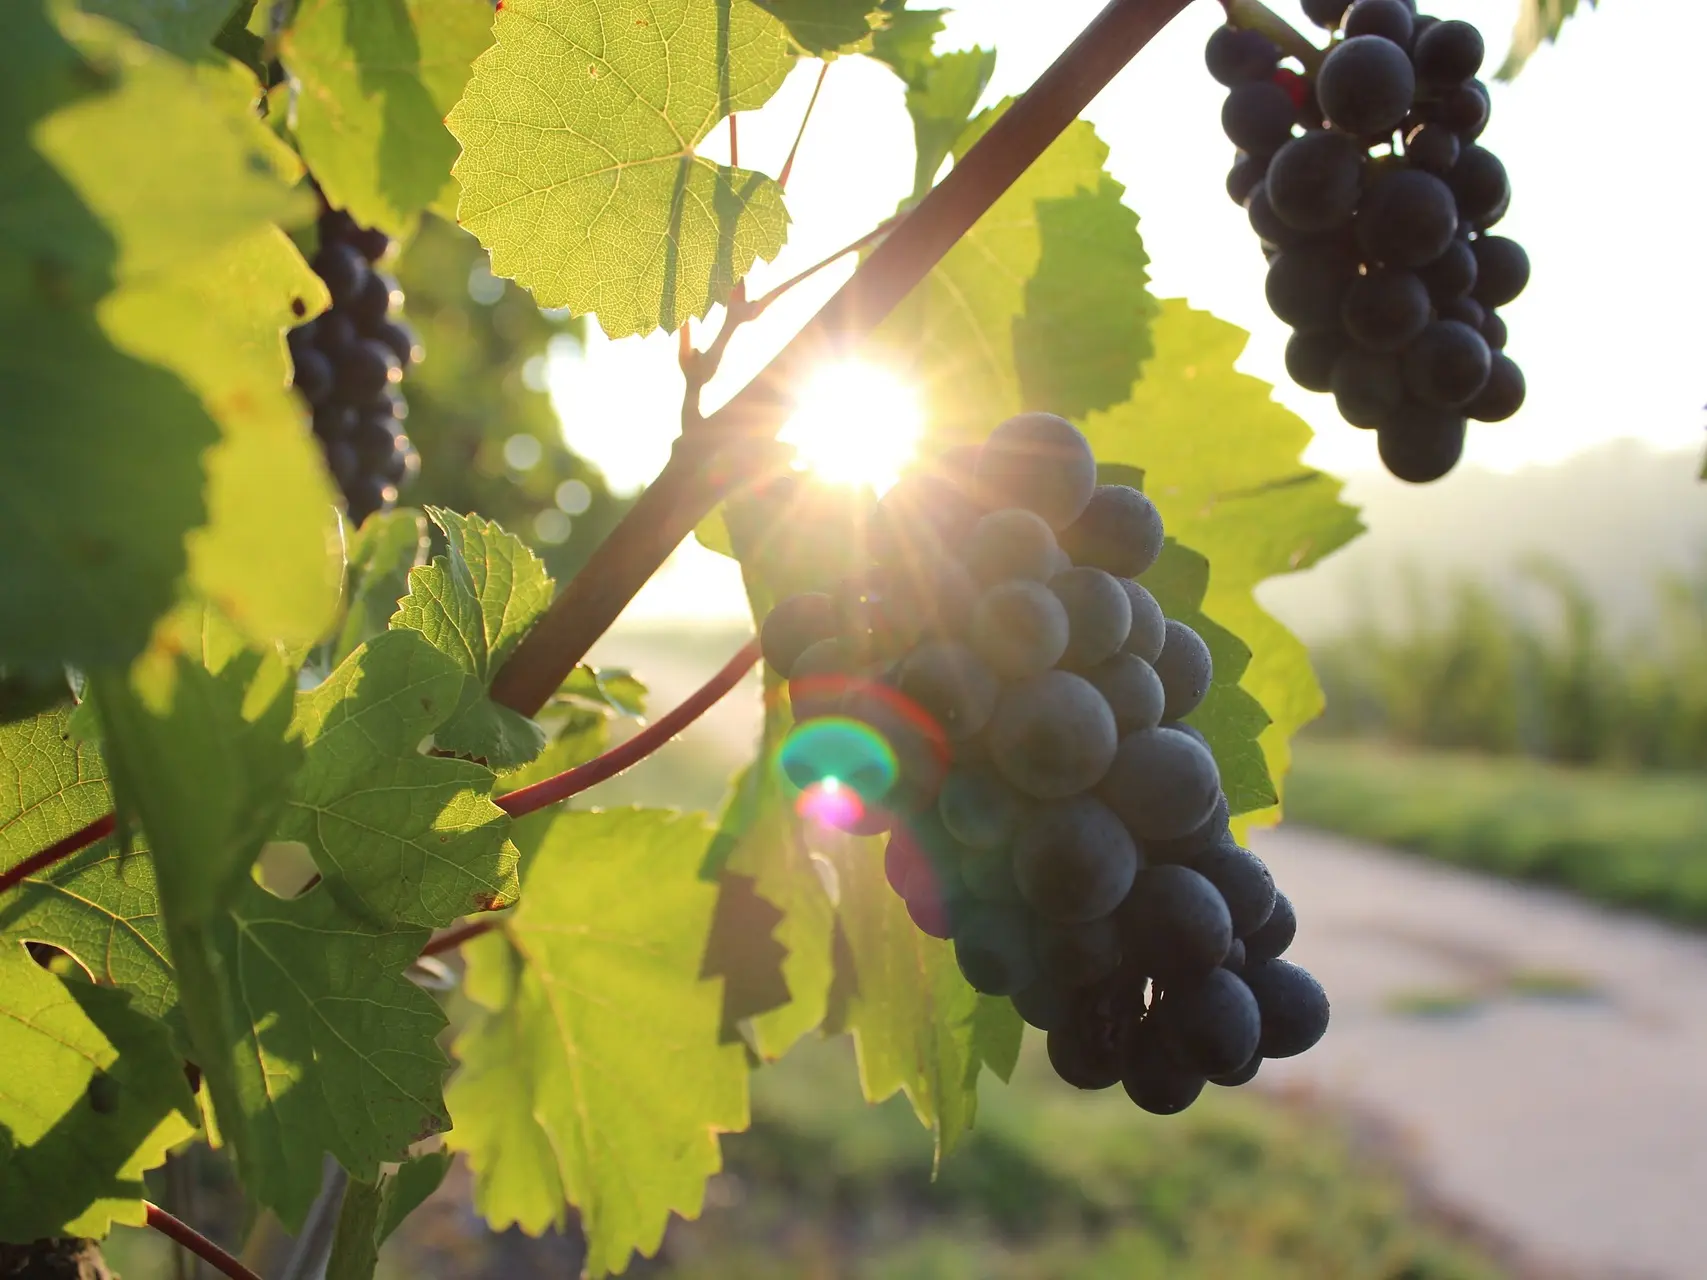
699, 473
451, 939
197, 1243
99, 829
627, 754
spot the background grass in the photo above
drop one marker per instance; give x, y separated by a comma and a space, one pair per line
1628, 839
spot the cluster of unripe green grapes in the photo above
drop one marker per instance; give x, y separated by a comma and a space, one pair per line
1373, 200
347, 363
1048, 805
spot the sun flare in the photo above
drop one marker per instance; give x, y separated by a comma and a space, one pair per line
856, 424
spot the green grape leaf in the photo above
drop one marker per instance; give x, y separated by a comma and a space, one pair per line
596, 1075
474, 604
196, 741
185, 28
913, 1018
824, 28
941, 97
94, 1096
235, 39
904, 42
335, 1048
51, 784
400, 836
954, 337
377, 77
102, 907
997, 1033
136, 169
407, 1189
382, 552
578, 171
371, 1211
1220, 461
1538, 22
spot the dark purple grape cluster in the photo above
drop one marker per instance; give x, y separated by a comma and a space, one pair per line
1374, 201
348, 363
997, 693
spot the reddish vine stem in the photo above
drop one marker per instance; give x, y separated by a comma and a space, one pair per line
451, 939
99, 829
627, 754
198, 1244
702, 470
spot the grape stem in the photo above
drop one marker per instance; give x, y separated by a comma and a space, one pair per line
451, 939
189, 1238
1254, 15
709, 463
99, 829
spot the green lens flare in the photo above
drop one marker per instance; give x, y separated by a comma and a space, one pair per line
849, 751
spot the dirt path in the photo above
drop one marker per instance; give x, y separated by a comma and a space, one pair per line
1547, 1060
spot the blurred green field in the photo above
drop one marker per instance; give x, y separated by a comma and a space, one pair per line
1627, 839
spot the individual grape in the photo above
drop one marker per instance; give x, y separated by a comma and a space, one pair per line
1503, 394
1449, 52
1019, 628
934, 595
1447, 364
1042, 1005
1244, 881
1119, 531
920, 748
335, 420
1052, 735
1325, 13
1367, 387
335, 334
1423, 23
402, 341
978, 808
366, 494
1151, 1078
902, 858
1313, 182
795, 625
1235, 55
1258, 117
1162, 784
1465, 311
375, 438
931, 911
1247, 171
1209, 1025
373, 301
1451, 275
1407, 219
312, 375
1494, 331
951, 684
1365, 85
1200, 838
343, 269
1244, 1075
1433, 148
1422, 442
1235, 960
1040, 462
342, 462
1502, 270
1479, 186
865, 620
820, 677
1132, 690
992, 946
366, 369
1073, 860
1075, 955
1390, 19
1186, 669
1306, 285
1011, 543
1464, 110
1174, 924
925, 516
1385, 309
1149, 627
988, 875
1293, 1005
1099, 615
1310, 357
1084, 1053
1274, 935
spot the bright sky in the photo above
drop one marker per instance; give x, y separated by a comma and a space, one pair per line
1607, 200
